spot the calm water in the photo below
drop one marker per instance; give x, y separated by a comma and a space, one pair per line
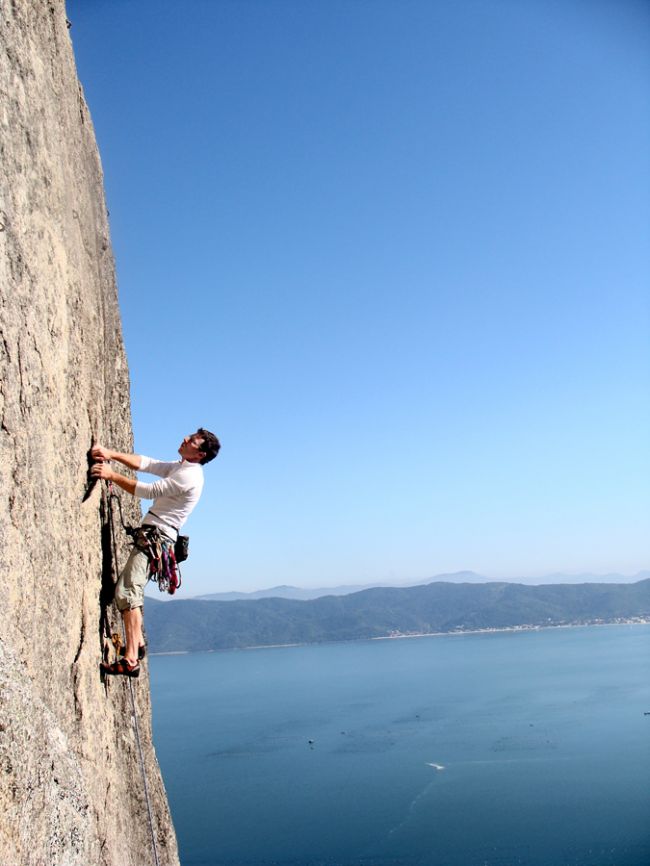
476, 750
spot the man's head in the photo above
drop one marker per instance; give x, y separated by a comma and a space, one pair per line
199, 447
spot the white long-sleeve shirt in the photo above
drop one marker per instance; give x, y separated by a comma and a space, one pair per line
175, 495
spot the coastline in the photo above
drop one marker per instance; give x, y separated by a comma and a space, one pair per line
396, 635
512, 628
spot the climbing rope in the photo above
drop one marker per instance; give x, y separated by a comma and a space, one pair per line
136, 727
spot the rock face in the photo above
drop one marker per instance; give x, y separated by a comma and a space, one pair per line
72, 781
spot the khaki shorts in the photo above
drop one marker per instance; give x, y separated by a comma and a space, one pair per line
129, 590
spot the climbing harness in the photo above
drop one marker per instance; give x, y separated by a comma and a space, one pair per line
136, 727
160, 550
182, 543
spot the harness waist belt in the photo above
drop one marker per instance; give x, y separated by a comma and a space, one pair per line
162, 520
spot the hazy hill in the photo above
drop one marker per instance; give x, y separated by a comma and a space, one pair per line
305, 594
283, 591
194, 625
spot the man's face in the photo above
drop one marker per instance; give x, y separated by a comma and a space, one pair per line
190, 448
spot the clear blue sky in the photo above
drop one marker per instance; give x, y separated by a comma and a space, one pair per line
395, 254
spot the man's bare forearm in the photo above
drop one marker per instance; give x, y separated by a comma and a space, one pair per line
132, 461
125, 483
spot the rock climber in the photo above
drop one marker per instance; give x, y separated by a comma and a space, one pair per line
175, 496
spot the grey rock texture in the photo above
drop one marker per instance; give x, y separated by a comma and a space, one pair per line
71, 782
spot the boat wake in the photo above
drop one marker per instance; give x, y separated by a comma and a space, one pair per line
414, 804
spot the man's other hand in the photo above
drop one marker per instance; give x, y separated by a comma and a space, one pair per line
101, 470
100, 454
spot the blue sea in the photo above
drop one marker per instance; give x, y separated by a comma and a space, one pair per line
528, 748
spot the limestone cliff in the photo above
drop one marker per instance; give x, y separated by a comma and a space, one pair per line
71, 782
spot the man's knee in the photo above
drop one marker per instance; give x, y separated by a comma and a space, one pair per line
129, 590
127, 599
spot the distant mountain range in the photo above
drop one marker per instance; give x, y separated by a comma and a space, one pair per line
296, 592
283, 591
196, 625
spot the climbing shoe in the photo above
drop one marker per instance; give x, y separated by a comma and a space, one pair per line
142, 651
121, 668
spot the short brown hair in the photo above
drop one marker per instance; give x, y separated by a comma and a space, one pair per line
211, 445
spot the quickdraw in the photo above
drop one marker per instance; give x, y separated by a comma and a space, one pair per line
163, 568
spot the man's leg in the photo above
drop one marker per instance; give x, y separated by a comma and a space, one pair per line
134, 637
129, 597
